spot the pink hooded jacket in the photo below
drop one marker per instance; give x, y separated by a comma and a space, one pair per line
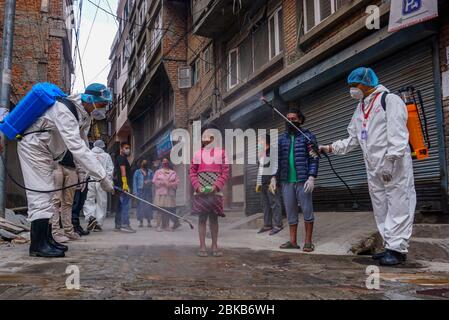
160, 179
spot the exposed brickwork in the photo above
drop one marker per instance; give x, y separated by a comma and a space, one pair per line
33, 45
175, 53
37, 57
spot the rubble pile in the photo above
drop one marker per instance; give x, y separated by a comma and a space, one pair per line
14, 228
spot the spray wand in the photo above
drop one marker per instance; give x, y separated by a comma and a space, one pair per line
155, 206
316, 152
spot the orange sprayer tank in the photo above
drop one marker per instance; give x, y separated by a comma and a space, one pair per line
419, 148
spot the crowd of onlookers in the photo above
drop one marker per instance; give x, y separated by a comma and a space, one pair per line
156, 184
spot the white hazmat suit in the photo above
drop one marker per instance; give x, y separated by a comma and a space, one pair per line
387, 140
97, 199
37, 152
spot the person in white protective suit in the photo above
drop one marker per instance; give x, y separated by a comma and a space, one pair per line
384, 139
64, 126
97, 199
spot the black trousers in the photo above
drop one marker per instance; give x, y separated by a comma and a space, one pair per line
78, 203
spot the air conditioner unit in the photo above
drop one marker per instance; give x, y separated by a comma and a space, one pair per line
184, 77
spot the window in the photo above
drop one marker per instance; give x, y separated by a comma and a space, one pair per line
142, 13
275, 43
207, 59
184, 80
156, 32
261, 42
195, 71
246, 58
143, 61
315, 11
233, 68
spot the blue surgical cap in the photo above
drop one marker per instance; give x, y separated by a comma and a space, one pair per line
96, 93
364, 76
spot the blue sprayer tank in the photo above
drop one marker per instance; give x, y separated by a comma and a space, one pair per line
41, 97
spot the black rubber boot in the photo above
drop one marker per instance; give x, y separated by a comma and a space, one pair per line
53, 242
40, 245
378, 256
392, 258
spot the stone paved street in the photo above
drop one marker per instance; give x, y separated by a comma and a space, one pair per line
153, 265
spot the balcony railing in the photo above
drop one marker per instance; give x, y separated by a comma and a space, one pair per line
212, 18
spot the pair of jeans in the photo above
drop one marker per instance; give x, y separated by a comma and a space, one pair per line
144, 211
272, 208
295, 197
122, 214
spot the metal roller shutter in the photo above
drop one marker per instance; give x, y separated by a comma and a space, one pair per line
330, 109
252, 199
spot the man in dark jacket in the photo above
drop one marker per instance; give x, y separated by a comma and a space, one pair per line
297, 170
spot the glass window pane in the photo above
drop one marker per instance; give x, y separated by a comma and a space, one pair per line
233, 68
325, 9
246, 58
310, 14
261, 54
272, 37
281, 31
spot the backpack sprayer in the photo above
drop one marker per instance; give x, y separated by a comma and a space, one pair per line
314, 150
417, 123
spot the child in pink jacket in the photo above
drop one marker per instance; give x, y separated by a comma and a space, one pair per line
209, 172
166, 182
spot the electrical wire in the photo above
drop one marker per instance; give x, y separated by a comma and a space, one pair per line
90, 31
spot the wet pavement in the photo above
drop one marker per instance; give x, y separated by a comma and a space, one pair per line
135, 266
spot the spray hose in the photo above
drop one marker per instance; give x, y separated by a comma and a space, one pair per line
43, 191
316, 151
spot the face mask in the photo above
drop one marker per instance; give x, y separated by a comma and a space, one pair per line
99, 114
260, 147
165, 165
356, 93
127, 152
290, 129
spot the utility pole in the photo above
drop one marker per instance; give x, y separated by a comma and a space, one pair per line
5, 87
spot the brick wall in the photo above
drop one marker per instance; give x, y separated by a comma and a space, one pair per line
175, 55
199, 97
36, 57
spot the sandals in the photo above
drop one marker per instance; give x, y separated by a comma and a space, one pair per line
308, 247
289, 245
202, 254
275, 230
264, 229
217, 254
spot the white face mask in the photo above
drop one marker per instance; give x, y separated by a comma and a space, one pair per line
356, 93
127, 152
99, 114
